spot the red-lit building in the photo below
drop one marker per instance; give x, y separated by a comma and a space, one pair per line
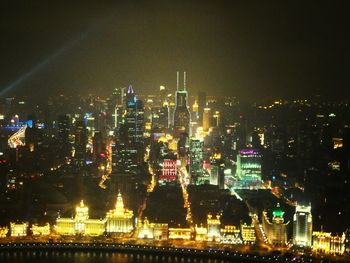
169, 171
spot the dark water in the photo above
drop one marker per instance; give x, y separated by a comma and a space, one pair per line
91, 257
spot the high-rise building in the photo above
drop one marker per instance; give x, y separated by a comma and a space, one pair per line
134, 119
181, 113
196, 158
302, 227
63, 126
202, 101
80, 142
206, 119
249, 168
98, 145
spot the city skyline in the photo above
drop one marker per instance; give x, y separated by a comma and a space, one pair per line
249, 50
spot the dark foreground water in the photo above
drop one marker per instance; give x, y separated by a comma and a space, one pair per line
91, 257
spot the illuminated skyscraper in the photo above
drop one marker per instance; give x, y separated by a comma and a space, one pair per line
119, 106
302, 228
196, 158
181, 112
249, 168
206, 119
134, 119
202, 101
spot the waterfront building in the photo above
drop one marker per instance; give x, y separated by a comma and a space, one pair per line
38, 230
248, 233
230, 235
80, 224
18, 230
156, 231
145, 229
119, 219
302, 227
180, 233
275, 230
213, 225
201, 233
4, 231
326, 243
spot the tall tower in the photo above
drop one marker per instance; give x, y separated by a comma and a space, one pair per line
181, 113
134, 116
302, 228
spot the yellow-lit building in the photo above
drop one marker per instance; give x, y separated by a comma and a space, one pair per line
231, 235
160, 231
119, 219
248, 233
41, 230
326, 243
201, 233
275, 230
18, 230
80, 224
213, 225
180, 233
4, 231
145, 229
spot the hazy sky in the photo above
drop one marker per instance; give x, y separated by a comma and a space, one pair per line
250, 49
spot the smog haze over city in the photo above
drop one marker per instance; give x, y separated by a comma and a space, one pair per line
174, 131
250, 49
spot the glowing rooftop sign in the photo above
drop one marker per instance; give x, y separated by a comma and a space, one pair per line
249, 152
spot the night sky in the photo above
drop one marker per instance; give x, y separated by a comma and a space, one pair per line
250, 49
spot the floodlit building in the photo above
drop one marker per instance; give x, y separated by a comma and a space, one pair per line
148, 230
18, 230
326, 243
4, 231
302, 227
201, 233
41, 230
119, 219
213, 224
80, 224
231, 235
248, 233
275, 230
180, 233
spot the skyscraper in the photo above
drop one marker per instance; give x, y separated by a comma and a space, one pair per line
196, 158
181, 112
134, 120
206, 119
202, 101
249, 168
302, 227
80, 143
